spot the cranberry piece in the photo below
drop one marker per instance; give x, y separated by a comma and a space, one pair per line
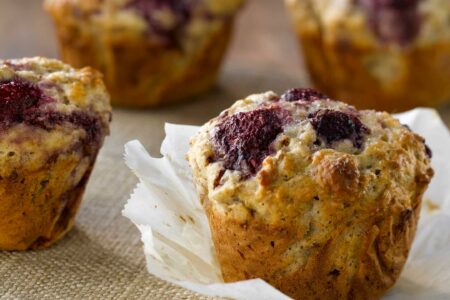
242, 141
393, 21
332, 126
180, 9
18, 100
303, 94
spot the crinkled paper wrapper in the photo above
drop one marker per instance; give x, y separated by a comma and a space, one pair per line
177, 239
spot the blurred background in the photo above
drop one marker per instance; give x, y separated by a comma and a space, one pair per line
264, 55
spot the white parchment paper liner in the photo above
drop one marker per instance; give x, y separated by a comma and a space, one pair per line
177, 239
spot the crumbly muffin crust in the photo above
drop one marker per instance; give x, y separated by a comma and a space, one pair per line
70, 94
327, 208
47, 147
151, 52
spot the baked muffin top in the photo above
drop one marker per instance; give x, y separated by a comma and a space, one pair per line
48, 108
266, 151
161, 21
368, 22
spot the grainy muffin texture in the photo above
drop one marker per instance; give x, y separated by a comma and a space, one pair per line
386, 55
53, 120
151, 52
315, 197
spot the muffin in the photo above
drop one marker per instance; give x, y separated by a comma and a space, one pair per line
313, 196
386, 55
53, 120
152, 52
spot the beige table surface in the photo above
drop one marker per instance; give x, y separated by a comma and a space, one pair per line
102, 257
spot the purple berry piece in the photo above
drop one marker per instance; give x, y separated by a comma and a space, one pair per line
303, 94
242, 141
393, 21
332, 126
18, 100
148, 9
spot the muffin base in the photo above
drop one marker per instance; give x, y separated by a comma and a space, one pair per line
66, 220
347, 72
364, 266
39, 208
140, 74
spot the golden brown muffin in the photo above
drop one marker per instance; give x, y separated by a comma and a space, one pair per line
152, 52
53, 120
315, 197
386, 55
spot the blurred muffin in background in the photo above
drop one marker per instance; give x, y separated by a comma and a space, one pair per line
53, 120
152, 52
383, 54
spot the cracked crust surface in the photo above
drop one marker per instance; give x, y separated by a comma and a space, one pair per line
316, 221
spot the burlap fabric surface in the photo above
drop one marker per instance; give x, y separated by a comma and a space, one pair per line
102, 257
